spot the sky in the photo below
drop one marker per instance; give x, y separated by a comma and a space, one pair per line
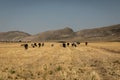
35, 16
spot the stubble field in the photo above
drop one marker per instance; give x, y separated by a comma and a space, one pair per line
97, 61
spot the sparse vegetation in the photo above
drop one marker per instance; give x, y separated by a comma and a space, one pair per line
90, 62
50, 72
12, 71
59, 68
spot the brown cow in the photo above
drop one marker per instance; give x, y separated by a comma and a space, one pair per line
42, 44
86, 43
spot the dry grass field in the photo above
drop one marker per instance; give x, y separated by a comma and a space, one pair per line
97, 61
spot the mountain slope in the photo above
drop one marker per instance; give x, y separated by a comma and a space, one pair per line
52, 35
109, 33
13, 35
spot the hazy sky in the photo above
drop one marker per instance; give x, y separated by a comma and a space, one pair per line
34, 16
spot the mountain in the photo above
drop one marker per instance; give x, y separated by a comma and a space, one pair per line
13, 35
109, 33
60, 34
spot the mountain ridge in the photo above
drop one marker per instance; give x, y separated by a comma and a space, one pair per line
13, 35
106, 33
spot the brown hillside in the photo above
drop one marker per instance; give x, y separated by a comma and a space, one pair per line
52, 35
109, 33
13, 35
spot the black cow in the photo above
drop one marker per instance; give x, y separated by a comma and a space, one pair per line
64, 45
74, 45
39, 44
86, 43
35, 44
68, 44
25, 46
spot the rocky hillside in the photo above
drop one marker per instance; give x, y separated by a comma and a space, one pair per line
61, 34
109, 33
13, 35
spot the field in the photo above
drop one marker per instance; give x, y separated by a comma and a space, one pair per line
97, 61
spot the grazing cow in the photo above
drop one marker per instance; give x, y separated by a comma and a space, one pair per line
78, 43
35, 44
42, 44
25, 46
64, 45
39, 44
52, 45
68, 44
86, 43
74, 45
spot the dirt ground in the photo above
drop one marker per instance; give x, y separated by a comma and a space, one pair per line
97, 61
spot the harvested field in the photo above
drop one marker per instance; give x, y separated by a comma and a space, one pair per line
97, 61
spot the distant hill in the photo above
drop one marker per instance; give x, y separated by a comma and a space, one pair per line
61, 34
108, 33
13, 35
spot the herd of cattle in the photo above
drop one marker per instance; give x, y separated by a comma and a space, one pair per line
64, 44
